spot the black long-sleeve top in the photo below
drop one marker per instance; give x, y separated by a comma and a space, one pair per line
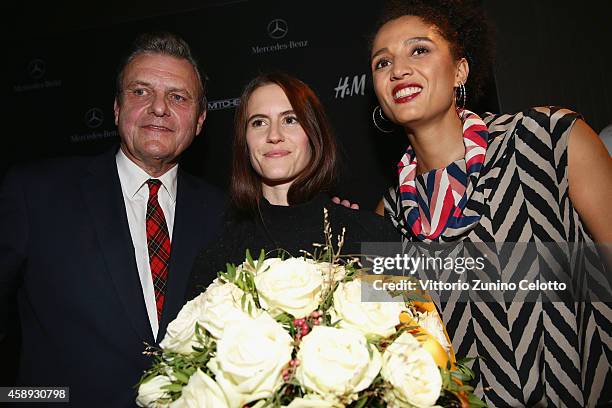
290, 228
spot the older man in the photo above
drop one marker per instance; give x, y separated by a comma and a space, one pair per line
99, 249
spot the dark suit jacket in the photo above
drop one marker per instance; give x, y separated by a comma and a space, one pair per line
65, 247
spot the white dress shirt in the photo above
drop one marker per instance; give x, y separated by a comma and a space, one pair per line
136, 195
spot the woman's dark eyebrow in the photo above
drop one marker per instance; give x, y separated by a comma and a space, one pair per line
417, 39
256, 115
406, 42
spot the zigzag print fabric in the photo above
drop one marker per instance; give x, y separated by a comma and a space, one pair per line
537, 354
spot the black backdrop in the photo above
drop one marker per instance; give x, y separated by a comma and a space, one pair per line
62, 84
61, 64
61, 80
60, 69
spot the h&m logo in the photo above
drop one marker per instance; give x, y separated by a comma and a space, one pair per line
349, 87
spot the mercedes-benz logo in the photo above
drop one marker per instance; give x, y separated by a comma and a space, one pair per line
36, 68
277, 28
94, 118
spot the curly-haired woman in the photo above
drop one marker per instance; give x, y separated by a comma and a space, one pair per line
540, 175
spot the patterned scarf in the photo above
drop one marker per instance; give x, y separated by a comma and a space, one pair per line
437, 201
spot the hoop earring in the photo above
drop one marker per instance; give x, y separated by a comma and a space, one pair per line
460, 98
378, 112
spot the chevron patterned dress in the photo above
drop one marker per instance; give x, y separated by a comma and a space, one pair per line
538, 354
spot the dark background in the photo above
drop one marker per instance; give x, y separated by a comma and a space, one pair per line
549, 52
61, 62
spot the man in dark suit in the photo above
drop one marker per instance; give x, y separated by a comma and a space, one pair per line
99, 249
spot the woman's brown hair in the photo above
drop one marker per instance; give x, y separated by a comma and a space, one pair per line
319, 174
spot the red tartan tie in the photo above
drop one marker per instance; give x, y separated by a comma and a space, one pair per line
158, 242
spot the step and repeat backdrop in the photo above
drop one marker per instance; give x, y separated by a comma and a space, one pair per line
63, 85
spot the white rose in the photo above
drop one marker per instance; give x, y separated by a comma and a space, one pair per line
412, 372
151, 391
370, 318
201, 391
180, 335
312, 401
222, 304
431, 322
250, 357
292, 286
336, 362
213, 309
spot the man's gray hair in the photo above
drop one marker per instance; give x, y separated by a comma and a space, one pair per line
163, 43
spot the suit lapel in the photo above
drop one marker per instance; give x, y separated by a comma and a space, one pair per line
102, 193
189, 225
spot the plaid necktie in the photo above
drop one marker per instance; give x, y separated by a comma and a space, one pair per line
158, 242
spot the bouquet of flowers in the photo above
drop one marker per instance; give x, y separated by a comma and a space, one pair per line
294, 333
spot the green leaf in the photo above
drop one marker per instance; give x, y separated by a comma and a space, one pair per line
147, 377
181, 377
262, 257
460, 375
476, 402
249, 279
231, 272
466, 360
284, 318
173, 387
189, 371
463, 372
361, 403
249, 258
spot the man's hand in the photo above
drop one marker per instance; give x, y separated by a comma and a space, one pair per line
345, 203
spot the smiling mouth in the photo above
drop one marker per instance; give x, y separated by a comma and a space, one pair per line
276, 154
406, 94
157, 128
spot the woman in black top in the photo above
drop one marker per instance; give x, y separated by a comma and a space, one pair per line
284, 159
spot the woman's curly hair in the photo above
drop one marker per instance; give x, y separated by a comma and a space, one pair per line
460, 22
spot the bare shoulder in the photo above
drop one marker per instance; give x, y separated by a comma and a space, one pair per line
584, 142
590, 180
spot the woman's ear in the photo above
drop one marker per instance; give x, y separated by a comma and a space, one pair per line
462, 72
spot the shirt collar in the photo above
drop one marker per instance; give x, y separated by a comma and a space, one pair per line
132, 177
